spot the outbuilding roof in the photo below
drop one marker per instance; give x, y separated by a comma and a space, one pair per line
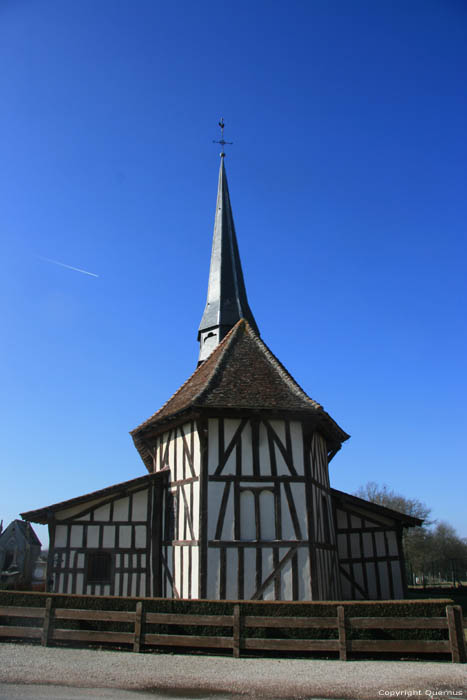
41, 515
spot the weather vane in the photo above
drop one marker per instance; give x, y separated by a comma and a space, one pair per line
222, 142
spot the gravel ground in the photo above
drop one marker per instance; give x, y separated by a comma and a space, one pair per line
185, 676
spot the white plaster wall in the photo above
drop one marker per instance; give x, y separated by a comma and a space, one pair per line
213, 445
267, 519
397, 579
60, 535
228, 530
76, 536
342, 546
304, 583
215, 492
392, 544
247, 516
230, 427
341, 518
264, 454
194, 572
249, 574
186, 559
213, 573
286, 578
231, 589
140, 536
108, 539
195, 516
371, 576
380, 544
140, 505
121, 509
247, 452
93, 536
355, 545
267, 569
299, 498
297, 446
288, 532
197, 452
125, 536
383, 575
102, 513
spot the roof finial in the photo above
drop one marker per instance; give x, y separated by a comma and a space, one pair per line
222, 142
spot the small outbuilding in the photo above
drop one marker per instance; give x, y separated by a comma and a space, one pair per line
19, 550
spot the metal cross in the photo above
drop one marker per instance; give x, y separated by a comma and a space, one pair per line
222, 142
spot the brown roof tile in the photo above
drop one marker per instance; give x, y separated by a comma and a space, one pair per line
241, 373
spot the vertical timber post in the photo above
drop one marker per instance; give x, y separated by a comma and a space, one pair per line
138, 626
236, 631
456, 633
46, 629
342, 629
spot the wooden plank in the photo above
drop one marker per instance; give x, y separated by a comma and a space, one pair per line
430, 623
15, 611
182, 619
47, 627
236, 631
138, 626
29, 632
292, 644
399, 645
297, 622
342, 627
185, 640
456, 633
103, 615
93, 636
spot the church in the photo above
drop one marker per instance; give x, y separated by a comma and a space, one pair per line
236, 503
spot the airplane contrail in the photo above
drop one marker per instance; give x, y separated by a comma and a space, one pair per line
69, 267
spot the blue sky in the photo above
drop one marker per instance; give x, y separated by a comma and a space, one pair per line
347, 178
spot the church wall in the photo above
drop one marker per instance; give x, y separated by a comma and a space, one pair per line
370, 555
266, 521
179, 450
104, 548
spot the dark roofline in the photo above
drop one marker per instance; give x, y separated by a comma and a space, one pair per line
40, 515
405, 520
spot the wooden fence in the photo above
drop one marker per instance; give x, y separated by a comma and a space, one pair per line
51, 626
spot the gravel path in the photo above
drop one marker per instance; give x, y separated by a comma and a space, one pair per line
253, 678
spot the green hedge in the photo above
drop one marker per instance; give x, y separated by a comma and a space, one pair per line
404, 608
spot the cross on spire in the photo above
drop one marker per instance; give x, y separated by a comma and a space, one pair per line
222, 142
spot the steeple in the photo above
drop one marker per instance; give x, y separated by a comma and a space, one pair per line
227, 301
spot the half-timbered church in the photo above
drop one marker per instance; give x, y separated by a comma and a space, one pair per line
237, 502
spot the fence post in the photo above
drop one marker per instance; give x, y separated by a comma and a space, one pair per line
46, 628
342, 628
236, 631
138, 626
456, 633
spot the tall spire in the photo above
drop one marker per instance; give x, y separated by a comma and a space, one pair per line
227, 301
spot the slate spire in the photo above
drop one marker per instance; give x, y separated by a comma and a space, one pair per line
227, 301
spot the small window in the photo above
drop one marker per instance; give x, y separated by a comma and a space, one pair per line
99, 567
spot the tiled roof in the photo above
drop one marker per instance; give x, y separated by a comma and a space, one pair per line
241, 373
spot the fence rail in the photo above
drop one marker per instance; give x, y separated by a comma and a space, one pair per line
52, 627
